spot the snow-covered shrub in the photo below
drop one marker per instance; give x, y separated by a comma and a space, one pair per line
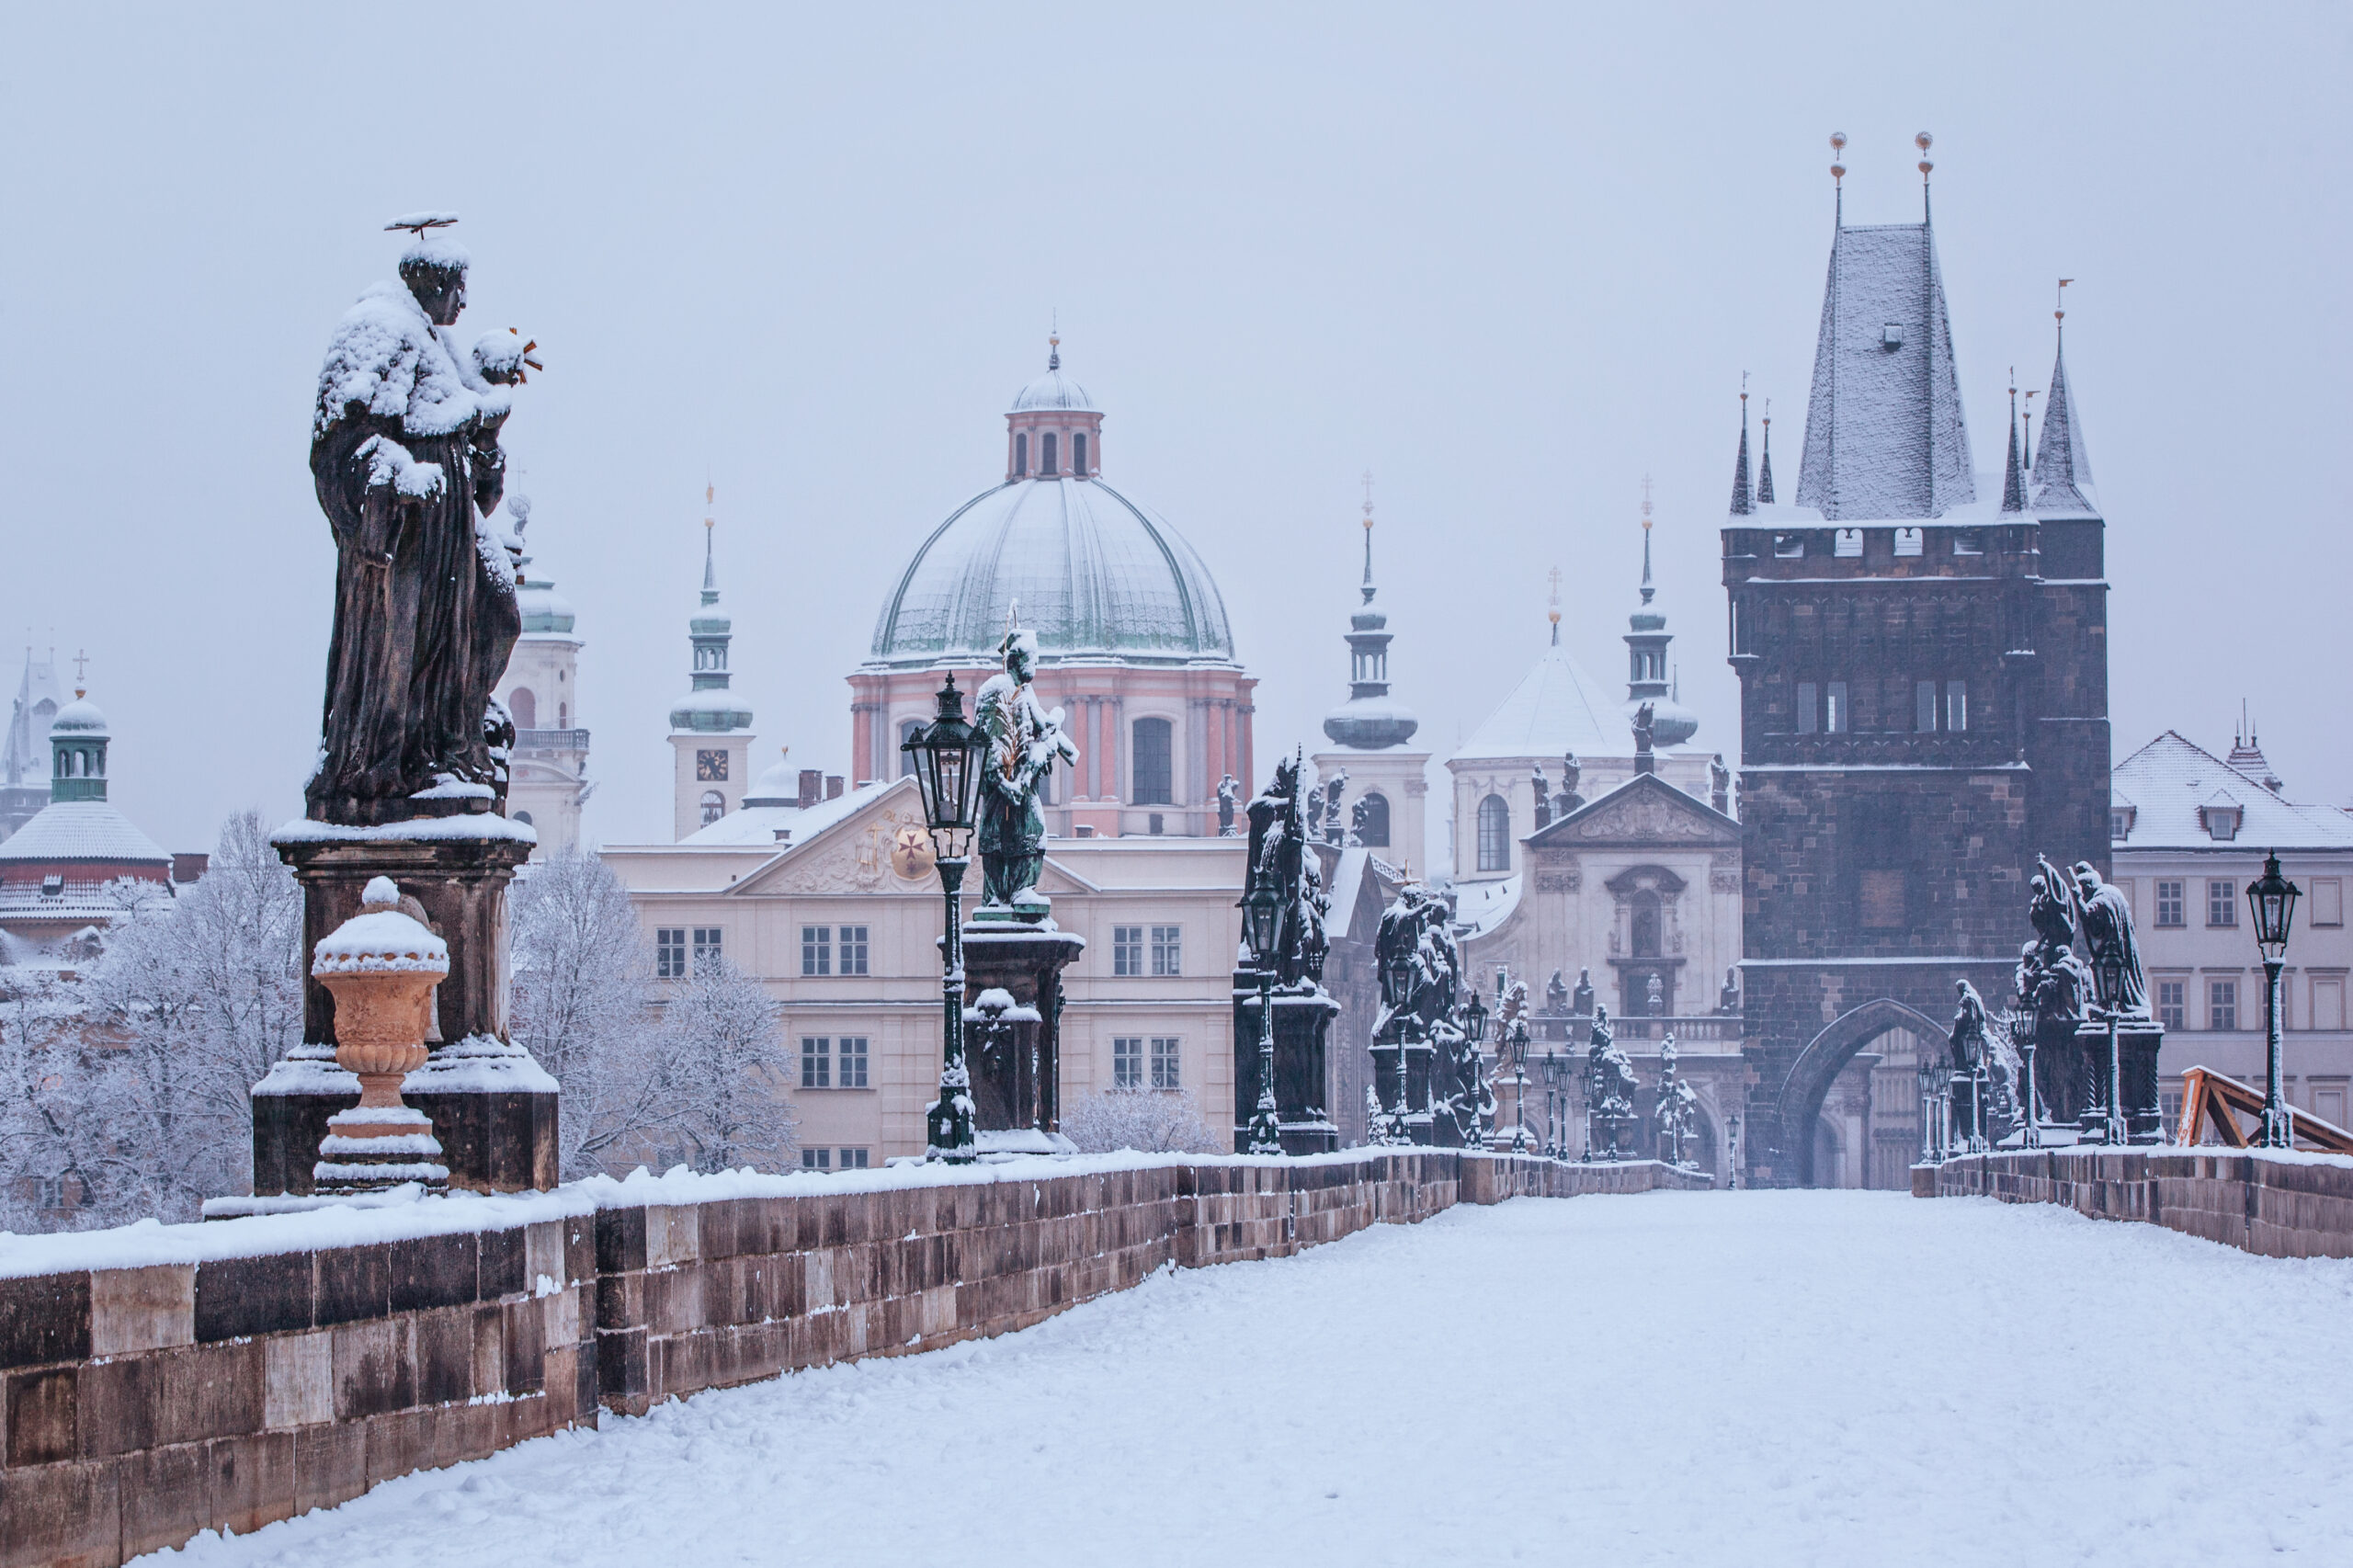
1152, 1121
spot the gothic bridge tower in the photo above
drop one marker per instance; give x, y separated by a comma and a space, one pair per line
1924, 694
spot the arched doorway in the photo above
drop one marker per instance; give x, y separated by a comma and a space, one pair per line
1874, 1145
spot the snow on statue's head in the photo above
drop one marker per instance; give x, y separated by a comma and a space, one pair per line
434, 267
1020, 651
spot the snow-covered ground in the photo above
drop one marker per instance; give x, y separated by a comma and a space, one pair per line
1756, 1379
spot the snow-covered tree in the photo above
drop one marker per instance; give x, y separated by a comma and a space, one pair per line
1153, 1120
581, 1007
723, 1074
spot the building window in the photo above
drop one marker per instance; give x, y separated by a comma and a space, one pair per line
1908, 541
714, 806
1838, 717
2329, 901
853, 1160
1165, 1059
907, 728
816, 1062
1924, 706
2222, 1004
710, 767
708, 943
2328, 1002
2222, 902
523, 707
2169, 902
1046, 455
817, 1159
1021, 455
853, 949
1789, 547
1809, 711
1374, 833
1494, 835
1154, 773
816, 950
670, 952
1127, 1062
1848, 542
1126, 950
563, 710
1646, 925
524, 817
1968, 541
850, 1055
1956, 706
1167, 949
2173, 1007
1078, 453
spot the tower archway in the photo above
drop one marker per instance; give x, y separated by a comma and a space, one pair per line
1800, 1104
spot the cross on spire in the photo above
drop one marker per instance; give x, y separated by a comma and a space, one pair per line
1553, 613
81, 673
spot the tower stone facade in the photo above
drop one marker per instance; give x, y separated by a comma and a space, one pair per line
1923, 696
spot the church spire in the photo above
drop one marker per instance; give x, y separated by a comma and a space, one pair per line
1765, 469
2013, 481
1368, 721
1742, 503
2061, 468
1649, 677
1365, 587
1552, 611
710, 706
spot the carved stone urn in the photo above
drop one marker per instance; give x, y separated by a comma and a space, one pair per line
380, 966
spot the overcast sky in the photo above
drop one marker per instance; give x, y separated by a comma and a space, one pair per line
1511, 261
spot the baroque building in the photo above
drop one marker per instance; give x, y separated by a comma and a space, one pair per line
1132, 639
1922, 656
548, 778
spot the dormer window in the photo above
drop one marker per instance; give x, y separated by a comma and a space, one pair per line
1046, 469
53, 887
1968, 541
1891, 336
2119, 822
2222, 823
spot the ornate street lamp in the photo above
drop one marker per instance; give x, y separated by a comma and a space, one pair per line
2108, 977
1474, 1032
1399, 974
1927, 1071
1262, 924
2272, 898
948, 755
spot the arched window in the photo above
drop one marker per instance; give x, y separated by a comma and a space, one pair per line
1152, 766
1046, 455
714, 806
907, 728
523, 817
1078, 454
1646, 925
1375, 832
525, 708
563, 715
1494, 835
1021, 455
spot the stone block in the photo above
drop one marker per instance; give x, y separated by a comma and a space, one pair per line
622, 1371
715, 1228
375, 1370
526, 1346
186, 1395
674, 1302
165, 1497
621, 1241
249, 1481
560, 1318
400, 1442
141, 1308
60, 1516
355, 1285
330, 1464
579, 1249
543, 1257
443, 1343
488, 1326
299, 1375
435, 1271
45, 1317
237, 1297
673, 1234
503, 1267
43, 1415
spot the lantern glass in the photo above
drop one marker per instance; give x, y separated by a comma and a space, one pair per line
1475, 1018
2271, 899
947, 754
1262, 917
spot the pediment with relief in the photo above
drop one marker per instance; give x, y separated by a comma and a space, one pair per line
884, 848
1644, 810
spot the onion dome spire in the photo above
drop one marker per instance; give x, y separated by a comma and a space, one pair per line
2013, 479
1743, 502
1765, 469
1369, 720
710, 706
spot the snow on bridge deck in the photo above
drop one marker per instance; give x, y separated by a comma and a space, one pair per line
1753, 1377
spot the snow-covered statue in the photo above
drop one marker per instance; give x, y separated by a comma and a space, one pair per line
1024, 744
406, 459
1645, 718
1278, 840
1581, 999
1728, 999
1720, 784
1556, 993
1415, 930
2050, 908
1979, 1044
1360, 821
1677, 1111
1544, 797
2105, 917
1228, 792
1329, 828
1568, 799
1609, 1089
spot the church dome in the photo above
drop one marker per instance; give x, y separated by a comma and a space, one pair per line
1051, 391
79, 717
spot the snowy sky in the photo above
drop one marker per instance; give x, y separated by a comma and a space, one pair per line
1510, 260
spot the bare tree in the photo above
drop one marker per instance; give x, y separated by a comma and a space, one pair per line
1153, 1120
582, 1008
724, 1071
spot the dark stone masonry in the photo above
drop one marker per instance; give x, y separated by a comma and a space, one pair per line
2277, 1208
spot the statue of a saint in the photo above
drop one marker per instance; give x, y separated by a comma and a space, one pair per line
1360, 819
1568, 799
1024, 743
2049, 908
1720, 784
1556, 993
1645, 717
1544, 797
2105, 916
1227, 789
1581, 999
406, 459
1728, 999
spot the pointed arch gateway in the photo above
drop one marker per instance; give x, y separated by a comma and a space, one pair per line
1798, 1106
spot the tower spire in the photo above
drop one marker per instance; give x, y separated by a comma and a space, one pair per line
1765, 469
1552, 611
1368, 721
2061, 467
1647, 590
1742, 503
1922, 140
1367, 587
2013, 481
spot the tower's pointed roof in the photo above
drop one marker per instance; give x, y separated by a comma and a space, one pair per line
1743, 502
2063, 470
1765, 468
2013, 477
1885, 437
1557, 707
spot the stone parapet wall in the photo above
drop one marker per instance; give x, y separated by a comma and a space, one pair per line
2290, 1205
142, 1403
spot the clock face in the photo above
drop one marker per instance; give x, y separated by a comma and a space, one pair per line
710, 767
911, 855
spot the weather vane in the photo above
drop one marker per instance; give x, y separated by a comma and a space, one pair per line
417, 222
1368, 498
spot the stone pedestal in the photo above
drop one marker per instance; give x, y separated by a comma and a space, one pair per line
1016, 1065
492, 1108
1303, 1035
1401, 1038
2137, 1043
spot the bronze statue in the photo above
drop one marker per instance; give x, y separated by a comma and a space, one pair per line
405, 459
1024, 743
2105, 916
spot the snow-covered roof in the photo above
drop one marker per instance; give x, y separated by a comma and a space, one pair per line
39, 697
1558, 708
80, 717
1095, 574
756, 826
2169, 782
1884, 433
1054, 391
1479, 907
81, 830
2063, 470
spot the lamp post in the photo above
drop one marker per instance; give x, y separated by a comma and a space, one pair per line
948, 755
1400, 977
1927, 1073
1732, 1152
2272, 897
1551, 1067
1262, 921
1474, 1031
2020, 1022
